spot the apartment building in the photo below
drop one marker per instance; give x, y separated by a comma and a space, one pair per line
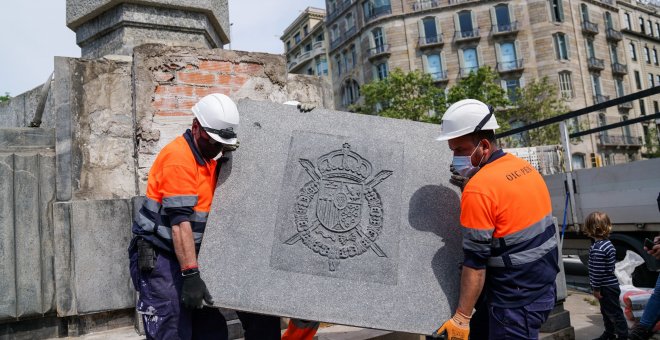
641, 33
305, 43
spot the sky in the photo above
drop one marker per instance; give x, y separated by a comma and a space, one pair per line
34, 32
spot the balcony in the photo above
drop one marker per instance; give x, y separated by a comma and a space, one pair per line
335, 43
618, 140
589, 27
613, 35
431, 41
425, 4
461, 36
465, 71
379, 51
625, 106
456, 2
439, 77
510, 66
619, 69
506, 29
595, 64
341, 6
378, 12
599, 98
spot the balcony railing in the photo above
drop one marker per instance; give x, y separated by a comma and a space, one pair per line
378, 51
599, 98
466, 35
465, 71
336, 42
509, 66
504, 29
613, 34
378, 12
618, 140
620, 69
608, 2
440, 76
456, 2
425, 4
431, 41
595, 64
589, 27
344, 37
341, 6
626, 105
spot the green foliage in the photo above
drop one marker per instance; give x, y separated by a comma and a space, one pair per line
482, 85
412, 96
537, 101
5, 98
651, 142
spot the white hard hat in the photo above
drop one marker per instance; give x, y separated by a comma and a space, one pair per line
218, 116
466, 116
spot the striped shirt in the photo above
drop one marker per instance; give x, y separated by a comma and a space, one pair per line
602, 257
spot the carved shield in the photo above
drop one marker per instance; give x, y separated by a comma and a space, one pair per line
339, 205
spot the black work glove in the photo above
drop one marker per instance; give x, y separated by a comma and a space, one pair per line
459, 180
194, 290
306, 107
231, 147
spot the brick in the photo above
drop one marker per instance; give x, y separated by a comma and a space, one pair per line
177, 90
164, 103
185, 103
204, 91
216, 66
163, 76
173, 113
196, 78
249, 68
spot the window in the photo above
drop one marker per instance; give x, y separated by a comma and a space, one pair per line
656, 108
649, 28
633, 51
618, 84
430, 30
650, 79
557, 10
642, 107
346, 60
350, 92
320, 37
379, 39
288, 45
465, 24
657, 29
338, 62
508, 56
608, 20
308, 47
334, 33
434, 66
602, 121
296, 38
565, 84
647, 55
657, 79
591, 52
584, 12
614, 55
305, 30
638, 80
577, 161
655, 56
626, 21
381, 70
512, 87
626, 128
353, 55
332, 5
470, 60
322, 67
374, 8
595, 80
503, 18
561, 46
641, 25
350, 22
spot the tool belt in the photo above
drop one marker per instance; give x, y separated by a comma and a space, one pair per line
146, 255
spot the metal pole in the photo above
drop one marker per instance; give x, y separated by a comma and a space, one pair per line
566, 143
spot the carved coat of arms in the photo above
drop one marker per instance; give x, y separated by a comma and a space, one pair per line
328, 212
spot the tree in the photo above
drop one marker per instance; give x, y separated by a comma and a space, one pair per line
412, 96
5, 98
482, 85
537, 101
652, 142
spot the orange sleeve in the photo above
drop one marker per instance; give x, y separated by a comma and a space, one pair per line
178, 180
477, 211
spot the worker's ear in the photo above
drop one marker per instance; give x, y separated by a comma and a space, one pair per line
487, 145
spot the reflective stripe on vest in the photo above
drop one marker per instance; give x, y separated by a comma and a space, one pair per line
477, 240
524, 235
527, 255
179, 201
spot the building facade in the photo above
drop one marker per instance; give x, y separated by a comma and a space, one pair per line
578, 45
305, 44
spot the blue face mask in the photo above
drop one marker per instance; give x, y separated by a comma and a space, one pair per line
463, 164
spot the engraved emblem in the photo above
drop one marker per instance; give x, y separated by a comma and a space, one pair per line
341, 189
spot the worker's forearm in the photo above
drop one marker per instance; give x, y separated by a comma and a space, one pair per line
184, 245
472, 282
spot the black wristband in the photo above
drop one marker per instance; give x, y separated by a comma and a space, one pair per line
190, 272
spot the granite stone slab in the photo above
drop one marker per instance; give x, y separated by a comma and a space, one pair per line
337, 217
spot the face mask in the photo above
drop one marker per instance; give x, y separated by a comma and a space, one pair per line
463, 164
209, 151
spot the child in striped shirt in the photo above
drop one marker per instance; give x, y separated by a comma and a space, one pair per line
602, 257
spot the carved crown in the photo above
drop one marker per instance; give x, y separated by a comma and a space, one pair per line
344, 163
